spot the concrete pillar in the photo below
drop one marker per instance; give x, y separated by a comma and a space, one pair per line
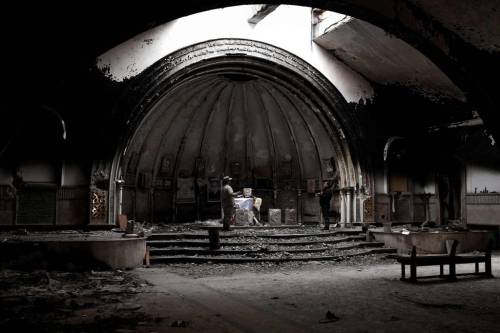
299, 206
120, 183
363, 196
342, 207
361, 209
355, 207
348, 206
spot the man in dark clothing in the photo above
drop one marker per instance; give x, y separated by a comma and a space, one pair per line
324, 201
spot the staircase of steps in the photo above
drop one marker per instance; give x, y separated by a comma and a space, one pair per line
260, 244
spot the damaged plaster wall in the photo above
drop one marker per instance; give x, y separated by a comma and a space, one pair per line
288, 27
5, 176
74, 174
480, 178
483, 195
37, 171
427, 186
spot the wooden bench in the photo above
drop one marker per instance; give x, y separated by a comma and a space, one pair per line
451, 259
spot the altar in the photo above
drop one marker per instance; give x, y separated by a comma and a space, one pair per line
244, 211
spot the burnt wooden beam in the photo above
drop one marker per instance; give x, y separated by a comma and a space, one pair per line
261, 11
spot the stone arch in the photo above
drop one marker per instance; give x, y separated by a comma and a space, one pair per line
238, 57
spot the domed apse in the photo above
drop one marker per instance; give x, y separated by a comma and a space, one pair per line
259, 131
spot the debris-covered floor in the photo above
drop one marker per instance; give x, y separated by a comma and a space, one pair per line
54, 301
362, 294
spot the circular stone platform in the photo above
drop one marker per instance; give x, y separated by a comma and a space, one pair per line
71, 250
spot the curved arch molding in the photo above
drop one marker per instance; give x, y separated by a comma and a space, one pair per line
206, 66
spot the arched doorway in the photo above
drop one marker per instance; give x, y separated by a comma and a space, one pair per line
235, 107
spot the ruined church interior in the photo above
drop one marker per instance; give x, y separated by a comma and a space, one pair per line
122, 127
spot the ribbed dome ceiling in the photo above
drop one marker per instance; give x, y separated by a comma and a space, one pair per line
262, 133
234, 124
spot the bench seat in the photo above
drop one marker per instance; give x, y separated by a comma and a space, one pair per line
425, 260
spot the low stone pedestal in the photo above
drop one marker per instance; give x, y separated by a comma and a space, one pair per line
274, 216
290, 216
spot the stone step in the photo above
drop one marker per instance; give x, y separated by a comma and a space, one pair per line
263, 227
200, 243
183, 235
204, 235
192, 251
205, 259
154, 252
322, 234
360, 245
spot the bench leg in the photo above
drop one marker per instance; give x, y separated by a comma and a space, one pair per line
403, 272
453, 271
487, 265
477, 268
413, 272
441, 273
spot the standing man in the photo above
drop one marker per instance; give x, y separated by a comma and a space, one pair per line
324, 201
227, 201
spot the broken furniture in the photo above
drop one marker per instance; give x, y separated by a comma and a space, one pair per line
451, 259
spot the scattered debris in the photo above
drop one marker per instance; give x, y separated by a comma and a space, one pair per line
21, 232
55, 301
329, 317
180, 323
